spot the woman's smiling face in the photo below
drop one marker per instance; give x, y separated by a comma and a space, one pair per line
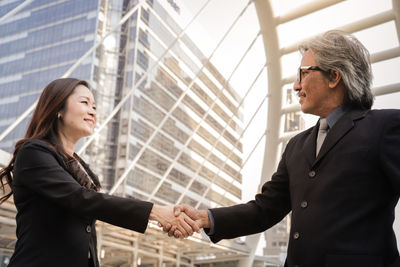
79, 116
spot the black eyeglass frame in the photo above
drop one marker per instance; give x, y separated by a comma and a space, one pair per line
301, 68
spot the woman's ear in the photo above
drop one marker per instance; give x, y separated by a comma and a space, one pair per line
334, 78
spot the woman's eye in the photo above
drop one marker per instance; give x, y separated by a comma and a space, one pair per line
85, 102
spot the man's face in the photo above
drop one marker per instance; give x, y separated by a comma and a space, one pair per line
316, 97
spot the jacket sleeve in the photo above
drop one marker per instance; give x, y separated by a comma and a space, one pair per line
268, 208
37, 168
390, 150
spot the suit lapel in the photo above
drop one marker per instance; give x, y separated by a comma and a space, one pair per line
339, 130
310, 145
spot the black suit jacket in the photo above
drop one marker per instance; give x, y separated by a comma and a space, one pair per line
56, 215
342, 202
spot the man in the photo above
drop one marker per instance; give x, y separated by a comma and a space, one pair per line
340, 178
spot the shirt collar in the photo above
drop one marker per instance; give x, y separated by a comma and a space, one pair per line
334, 116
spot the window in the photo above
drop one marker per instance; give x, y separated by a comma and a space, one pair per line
167, 193
173, 130
141, 130
142, 180
179, 177
164, 145
147, 110
189, 201
154, 162
145, 16
142, 60
143, 38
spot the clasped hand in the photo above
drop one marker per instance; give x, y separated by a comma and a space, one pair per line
187, 220
180, 222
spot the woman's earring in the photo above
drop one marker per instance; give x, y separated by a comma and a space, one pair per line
58, 115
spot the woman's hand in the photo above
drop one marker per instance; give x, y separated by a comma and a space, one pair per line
183, 225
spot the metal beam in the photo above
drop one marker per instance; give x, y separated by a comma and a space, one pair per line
396, 11
8, 221
385, 55
15, 10
274, 123
269, 31
290, 108
350, 28
220, 259
387, 89
305, 10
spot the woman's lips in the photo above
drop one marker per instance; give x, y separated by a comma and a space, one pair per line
90, 121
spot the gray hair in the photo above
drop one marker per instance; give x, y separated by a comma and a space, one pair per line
337, 50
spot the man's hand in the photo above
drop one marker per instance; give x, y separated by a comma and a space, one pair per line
200, 218
182, 223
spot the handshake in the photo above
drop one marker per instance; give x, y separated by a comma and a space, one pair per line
180, 221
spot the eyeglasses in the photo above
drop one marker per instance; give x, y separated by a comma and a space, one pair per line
303, 68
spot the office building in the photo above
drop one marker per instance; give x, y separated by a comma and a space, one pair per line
47, 37
194, 156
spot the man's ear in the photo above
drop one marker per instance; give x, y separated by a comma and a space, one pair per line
334, 78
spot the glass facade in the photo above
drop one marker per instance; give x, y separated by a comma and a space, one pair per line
176, 166
194, 157
38, 45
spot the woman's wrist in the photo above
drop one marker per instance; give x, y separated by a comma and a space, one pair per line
154, 213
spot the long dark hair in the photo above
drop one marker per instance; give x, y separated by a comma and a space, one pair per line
44, 126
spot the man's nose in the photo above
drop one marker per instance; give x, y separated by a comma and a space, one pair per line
297, 85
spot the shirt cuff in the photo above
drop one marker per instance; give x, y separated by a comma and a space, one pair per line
211, 230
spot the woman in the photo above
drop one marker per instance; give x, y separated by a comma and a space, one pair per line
57, 195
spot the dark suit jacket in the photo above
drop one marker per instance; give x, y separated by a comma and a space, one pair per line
342, 202
56, 215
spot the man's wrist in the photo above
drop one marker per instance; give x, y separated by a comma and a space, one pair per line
205, 220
